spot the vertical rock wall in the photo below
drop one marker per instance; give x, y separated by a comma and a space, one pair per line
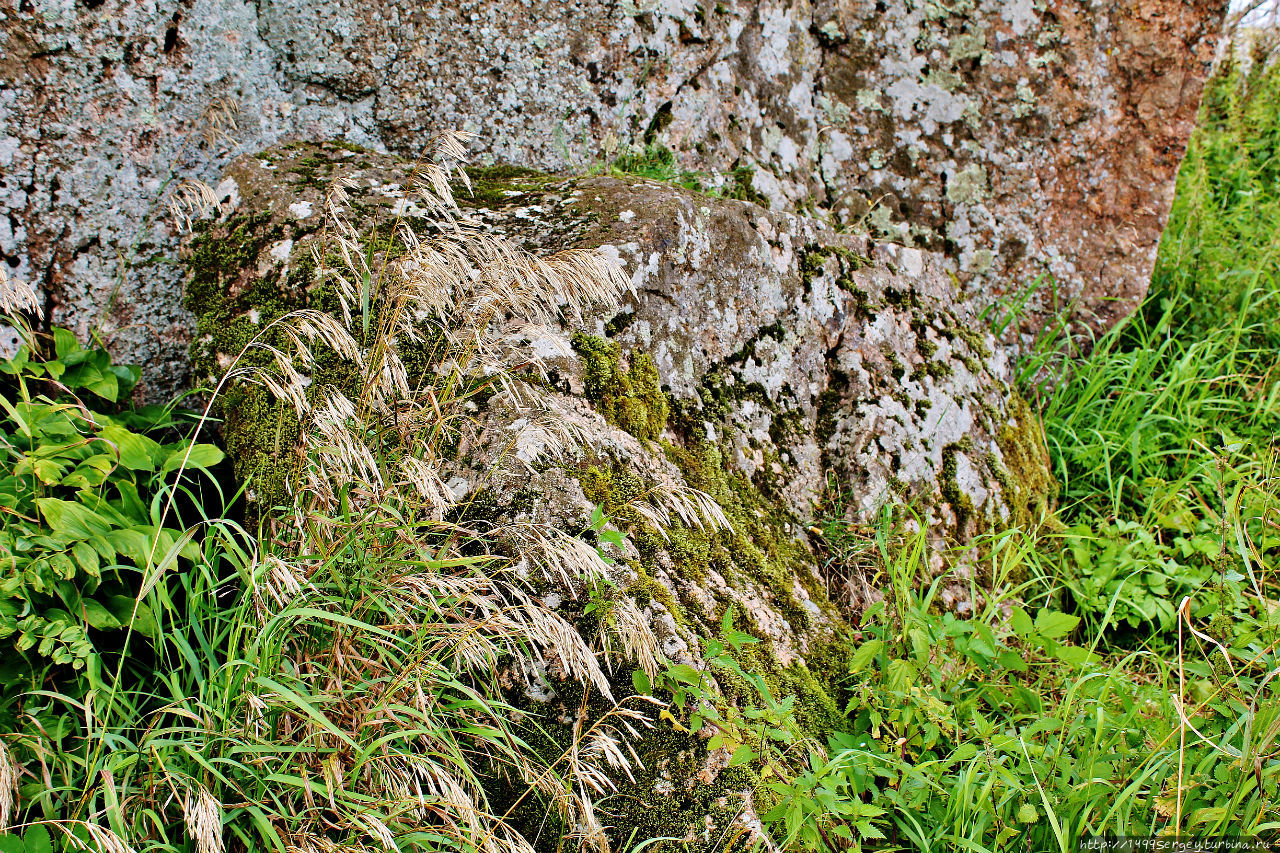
1009, 138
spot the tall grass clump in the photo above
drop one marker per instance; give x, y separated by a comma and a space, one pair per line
348, 677
1163, 435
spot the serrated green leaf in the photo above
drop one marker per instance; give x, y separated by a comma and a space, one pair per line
37, 840
1011, 660
866, 653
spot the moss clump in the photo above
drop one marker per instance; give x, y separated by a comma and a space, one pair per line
760, 550
260, 434
740, 186
829, 403
1026, 477
233, 306
961, 503
813, 264
699, 815
502, 186
619, 323
629, 396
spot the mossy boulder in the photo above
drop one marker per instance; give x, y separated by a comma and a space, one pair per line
760, 358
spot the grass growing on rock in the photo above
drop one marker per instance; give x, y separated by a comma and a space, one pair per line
357, 676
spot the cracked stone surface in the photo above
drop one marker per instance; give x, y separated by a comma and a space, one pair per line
801, 350
1009, 138
788, 352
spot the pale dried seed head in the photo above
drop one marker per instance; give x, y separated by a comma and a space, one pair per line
18, 297
378, 830
668, 501
218, 120
103, 840
191, 200
255, 714
484, 307
9, 774
552, 635
281, 581
560, 556
336, 197
203, 817
424, 479
639, 643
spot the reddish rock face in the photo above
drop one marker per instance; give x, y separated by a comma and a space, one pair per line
1010, 138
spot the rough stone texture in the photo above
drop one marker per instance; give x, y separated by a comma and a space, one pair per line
798, 350
785, 351
1010, 137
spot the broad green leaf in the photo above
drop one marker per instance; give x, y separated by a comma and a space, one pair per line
132, 543
64, 342
62, 565
137, 452
105, 385
72, 519
1052, 624
98, 616
641, 683
11, 844
202, 456
742, 755
86, 557
48, 471
144, 622
127, 376
1074, 655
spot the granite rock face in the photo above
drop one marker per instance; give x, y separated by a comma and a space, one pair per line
761, 358
1008, 138
797, 351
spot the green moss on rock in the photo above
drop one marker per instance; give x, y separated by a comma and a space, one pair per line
1025, 476
502, 186
628, 395
949, 482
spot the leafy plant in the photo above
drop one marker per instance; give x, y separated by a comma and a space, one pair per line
84, 500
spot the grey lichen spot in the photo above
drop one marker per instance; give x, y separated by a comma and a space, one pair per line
948, 81
869, 100
1026, 103
982, 261
836, 111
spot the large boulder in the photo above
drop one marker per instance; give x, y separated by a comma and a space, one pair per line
800, 353
1010, 138
761, 358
